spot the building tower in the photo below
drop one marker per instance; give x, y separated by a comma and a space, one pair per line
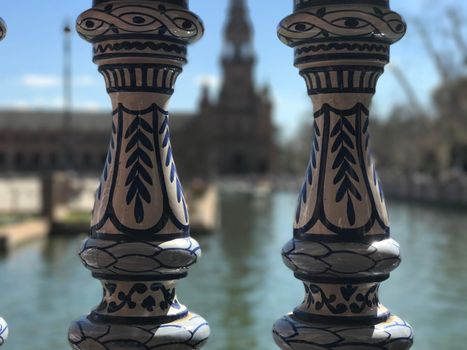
234, 132
244, 131
238, 58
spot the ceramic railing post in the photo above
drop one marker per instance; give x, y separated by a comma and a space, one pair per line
2, 29
140, 241
3, 324
341, 249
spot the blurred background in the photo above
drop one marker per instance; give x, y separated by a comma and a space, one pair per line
54, 128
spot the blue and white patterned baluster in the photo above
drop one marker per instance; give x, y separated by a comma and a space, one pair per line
4, 331
341, 248
3, 325
140, 243
2, 29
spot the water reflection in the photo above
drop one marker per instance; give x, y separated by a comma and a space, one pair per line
47, 287
432, 282
240, 248
241, 285
243, 243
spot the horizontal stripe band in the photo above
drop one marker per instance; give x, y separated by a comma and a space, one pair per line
338, 68
132, 36
146, 237
341, 238
98, 57
341, 90
342, 320
133, 321
310, 58
139, 278
303, 4
150, 89
344, 280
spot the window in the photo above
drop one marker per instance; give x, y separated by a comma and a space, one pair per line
53, 159
19, 160
87, 159
36, 159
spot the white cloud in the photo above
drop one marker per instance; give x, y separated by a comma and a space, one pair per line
40, 80
210, 80
91, 106
86, 80
53, 102
52, 81
36, 102
18, 104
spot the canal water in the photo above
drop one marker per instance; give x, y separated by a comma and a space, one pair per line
241, 286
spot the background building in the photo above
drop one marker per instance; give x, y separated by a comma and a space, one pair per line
233, 134
32, 141
230, 135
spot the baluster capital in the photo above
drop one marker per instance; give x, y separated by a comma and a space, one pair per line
334, 40
140, 31
317, 22
148, 37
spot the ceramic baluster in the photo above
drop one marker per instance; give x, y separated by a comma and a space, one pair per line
341, 248
139, 244
3, 325
2, 29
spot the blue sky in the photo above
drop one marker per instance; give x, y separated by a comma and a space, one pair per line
31, 59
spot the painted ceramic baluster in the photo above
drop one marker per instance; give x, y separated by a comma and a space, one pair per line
341, 249
3, 324
2, 29
140, 241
